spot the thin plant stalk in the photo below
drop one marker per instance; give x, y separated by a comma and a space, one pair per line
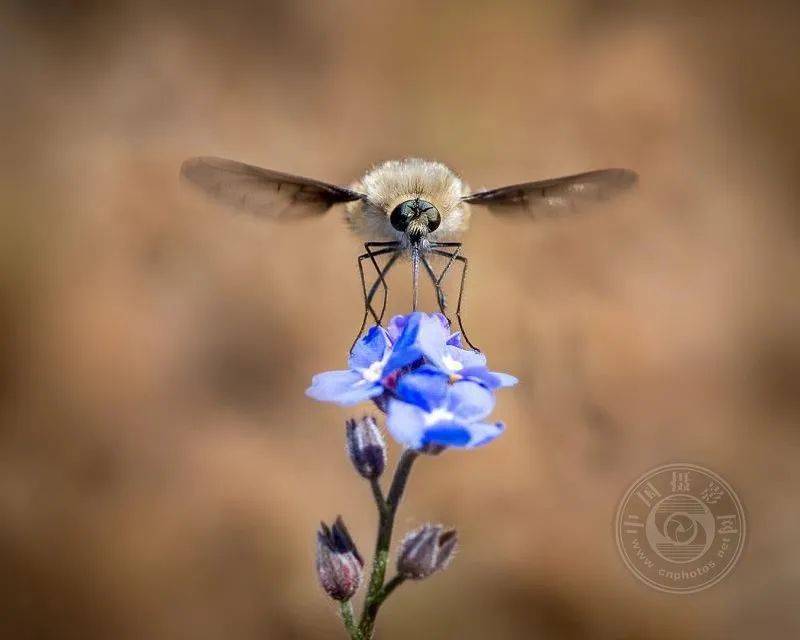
387, 508
346, 609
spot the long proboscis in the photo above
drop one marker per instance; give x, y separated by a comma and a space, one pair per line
414, 276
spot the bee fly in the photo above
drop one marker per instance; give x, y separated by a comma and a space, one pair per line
402, 208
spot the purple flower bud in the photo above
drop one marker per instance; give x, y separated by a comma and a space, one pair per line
425, 551
339, 565
366, 447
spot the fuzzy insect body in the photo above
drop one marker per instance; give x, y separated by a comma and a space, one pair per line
412, 180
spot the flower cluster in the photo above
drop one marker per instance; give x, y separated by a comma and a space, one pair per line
435, 392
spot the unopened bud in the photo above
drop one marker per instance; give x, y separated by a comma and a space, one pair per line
426, 550
366, 447
339, 565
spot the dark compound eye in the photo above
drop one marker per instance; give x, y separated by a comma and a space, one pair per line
415, 209
434, 218
403, 214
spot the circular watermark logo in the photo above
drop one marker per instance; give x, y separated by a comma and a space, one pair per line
680, 528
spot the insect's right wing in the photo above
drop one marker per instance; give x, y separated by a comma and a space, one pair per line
261, 192
555, 196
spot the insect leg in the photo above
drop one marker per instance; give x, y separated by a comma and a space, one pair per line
439, 295
368, 297
387, 247
386, 267
454, 256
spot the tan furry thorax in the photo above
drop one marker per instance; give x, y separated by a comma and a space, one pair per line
396, 181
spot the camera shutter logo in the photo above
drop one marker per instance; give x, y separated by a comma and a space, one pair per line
680, 528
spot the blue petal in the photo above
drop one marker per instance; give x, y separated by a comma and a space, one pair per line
506, 380
481, 375
482, 433
342, 387
395, 327
451, 434
470, 401
426, 388
467, 436
490, 379
422, 335
369, 349
405, 350
432, 336
406, 423
442, 320
466, 357
450, 358
455, 340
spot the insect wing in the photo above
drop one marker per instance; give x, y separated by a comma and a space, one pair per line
557, 195
267, 194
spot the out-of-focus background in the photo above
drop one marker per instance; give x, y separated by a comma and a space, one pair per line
162, 473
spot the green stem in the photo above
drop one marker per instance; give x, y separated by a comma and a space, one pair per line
349, 620
380, 503
387, 509
391, 586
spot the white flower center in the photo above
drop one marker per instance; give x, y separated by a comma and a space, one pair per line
373, 372
451, 363
438, 415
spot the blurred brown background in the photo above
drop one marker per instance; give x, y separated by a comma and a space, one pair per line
162, 473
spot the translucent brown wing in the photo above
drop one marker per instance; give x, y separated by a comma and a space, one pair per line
264, 193
555, 196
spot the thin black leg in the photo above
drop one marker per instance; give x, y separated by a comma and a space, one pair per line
388, 247
389, 264
440, 298
368, 297
367, 306
455, 257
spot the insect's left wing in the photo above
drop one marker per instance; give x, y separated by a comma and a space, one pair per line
555, 196
264, 193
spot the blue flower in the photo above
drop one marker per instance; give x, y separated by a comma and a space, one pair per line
461, 364
427, 337
434, 391
362, 381
428, 410
415, 336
